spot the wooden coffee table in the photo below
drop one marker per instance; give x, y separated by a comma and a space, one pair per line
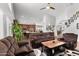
52, 43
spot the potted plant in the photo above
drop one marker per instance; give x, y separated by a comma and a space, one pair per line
17, 31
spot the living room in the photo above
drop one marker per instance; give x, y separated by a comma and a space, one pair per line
39, 29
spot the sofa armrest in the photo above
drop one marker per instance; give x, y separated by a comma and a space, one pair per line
22, 51
22, 43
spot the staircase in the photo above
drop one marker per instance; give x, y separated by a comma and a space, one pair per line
65, 24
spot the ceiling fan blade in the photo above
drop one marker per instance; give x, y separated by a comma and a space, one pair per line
43, 8
52, 7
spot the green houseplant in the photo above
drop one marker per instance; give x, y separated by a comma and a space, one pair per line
17, 31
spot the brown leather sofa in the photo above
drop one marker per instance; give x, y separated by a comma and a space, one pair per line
9, 47
37, 38
71, 40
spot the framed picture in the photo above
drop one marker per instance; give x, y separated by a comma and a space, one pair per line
77, 25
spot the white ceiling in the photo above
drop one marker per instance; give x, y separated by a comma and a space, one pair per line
33, 9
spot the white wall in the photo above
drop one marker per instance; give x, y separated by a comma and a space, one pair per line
6, 10
10, 5
63, 16
4, 13
28, 20
1, 23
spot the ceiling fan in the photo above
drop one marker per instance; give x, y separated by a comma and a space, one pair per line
48, 7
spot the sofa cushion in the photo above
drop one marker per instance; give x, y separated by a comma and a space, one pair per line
13, 42
11, 45
3, 49
6, 42
10, 53
12, 49
10, 39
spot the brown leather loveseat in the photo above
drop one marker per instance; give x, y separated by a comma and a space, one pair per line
37, 38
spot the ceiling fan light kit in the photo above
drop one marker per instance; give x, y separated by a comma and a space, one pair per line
48, 7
